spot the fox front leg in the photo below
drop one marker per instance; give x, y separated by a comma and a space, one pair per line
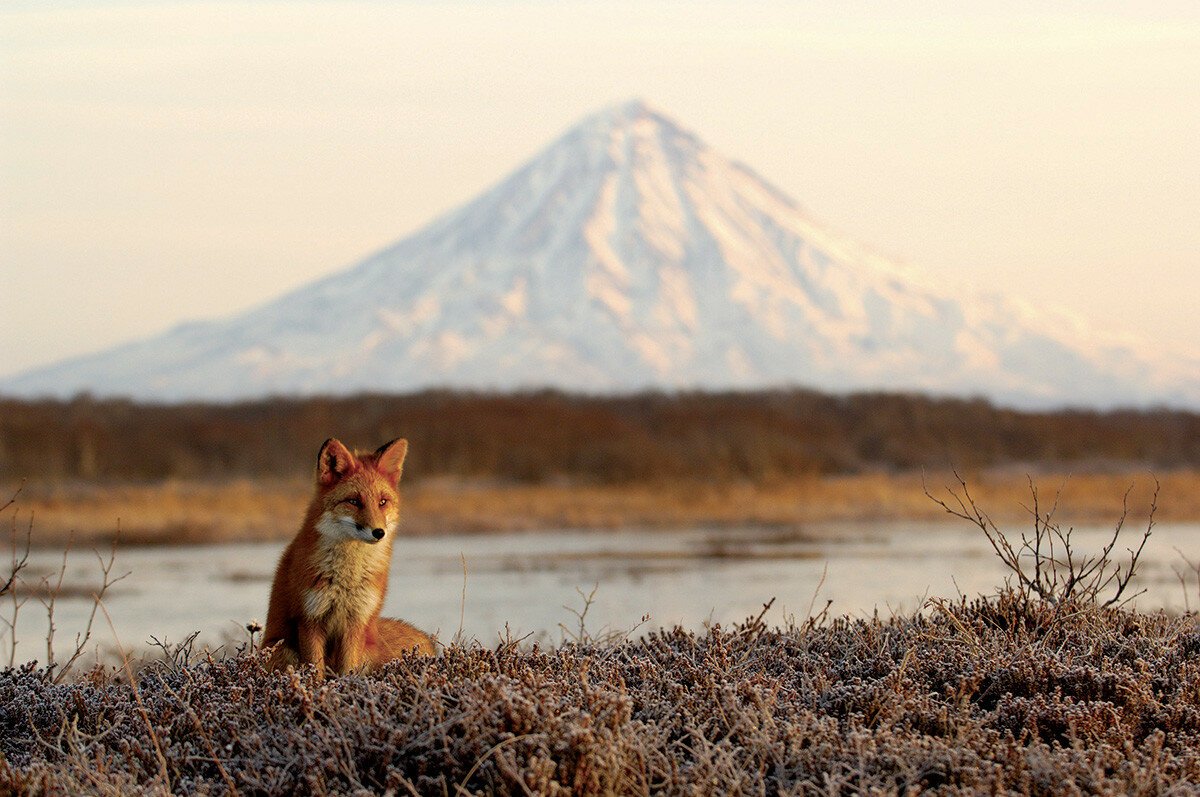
311, 640
351, 651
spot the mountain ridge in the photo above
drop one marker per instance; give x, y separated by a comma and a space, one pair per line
628, 255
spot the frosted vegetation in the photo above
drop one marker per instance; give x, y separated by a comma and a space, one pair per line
1048, 682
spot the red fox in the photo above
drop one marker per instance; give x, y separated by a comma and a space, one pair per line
331, 579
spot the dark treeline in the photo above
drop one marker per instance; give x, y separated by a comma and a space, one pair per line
549, 435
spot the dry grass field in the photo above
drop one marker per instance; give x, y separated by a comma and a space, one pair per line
178, 512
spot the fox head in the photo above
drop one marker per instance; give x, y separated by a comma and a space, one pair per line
358, 494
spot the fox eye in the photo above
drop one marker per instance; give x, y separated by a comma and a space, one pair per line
383, 502
355, 502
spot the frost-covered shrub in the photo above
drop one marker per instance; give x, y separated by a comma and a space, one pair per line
968, 696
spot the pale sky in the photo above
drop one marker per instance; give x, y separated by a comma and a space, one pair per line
171, 161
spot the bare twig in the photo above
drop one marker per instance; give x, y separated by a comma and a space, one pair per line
581, 637
81, 638
17, 564
1046, 563
1134, 554
50, 596
1194, 567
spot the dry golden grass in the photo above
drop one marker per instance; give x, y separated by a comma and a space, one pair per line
172, 512
178, 512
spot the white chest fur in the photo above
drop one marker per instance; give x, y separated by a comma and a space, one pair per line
346, 593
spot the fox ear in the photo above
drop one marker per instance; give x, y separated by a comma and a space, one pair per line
389, 458
333, 462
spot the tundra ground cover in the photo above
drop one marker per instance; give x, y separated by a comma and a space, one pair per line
1049, 686
1005, 694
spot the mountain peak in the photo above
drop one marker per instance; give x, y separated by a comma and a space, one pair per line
631, 120
628, 255
626, 113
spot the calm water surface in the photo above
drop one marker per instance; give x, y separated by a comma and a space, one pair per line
533, 582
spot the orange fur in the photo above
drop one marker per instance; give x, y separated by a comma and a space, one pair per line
331, 580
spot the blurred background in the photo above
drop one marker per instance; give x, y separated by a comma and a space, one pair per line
689, 305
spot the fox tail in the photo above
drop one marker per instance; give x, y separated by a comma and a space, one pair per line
395, 638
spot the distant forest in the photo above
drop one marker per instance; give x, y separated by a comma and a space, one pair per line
546, 436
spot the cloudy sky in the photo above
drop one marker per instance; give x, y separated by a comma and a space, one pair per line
168, 161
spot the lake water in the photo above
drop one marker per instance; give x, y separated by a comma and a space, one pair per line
534, 582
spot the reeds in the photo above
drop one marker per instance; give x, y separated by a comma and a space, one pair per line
191, 512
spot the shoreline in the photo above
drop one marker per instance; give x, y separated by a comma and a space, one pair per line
200, 512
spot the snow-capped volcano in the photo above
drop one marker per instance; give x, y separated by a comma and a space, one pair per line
630, 255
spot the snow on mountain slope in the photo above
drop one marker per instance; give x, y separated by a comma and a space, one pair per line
629, 255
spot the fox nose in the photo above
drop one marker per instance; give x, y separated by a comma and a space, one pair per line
378, 533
